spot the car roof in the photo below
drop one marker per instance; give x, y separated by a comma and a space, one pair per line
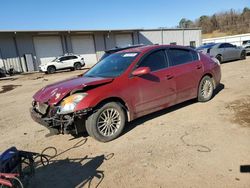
151, 47
66, 55
116, 49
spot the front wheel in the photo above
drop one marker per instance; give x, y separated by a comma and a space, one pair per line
206, 89
51, 70
107, 122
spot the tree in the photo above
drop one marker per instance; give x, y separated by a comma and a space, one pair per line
184, 23
231, 21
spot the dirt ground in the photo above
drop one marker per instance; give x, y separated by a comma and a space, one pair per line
189, 145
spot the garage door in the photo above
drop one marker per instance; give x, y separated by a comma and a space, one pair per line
84, 46
47, 48
123, 40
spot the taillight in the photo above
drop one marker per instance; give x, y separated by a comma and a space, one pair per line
215, 60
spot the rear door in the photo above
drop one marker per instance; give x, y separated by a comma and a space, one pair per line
232, 51
229, 52
72, 60
187, 70
65, 62
156, 89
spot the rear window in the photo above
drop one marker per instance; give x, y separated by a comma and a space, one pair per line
180, 56
195, 55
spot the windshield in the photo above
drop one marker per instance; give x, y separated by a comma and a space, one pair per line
206, 46
105, 55
54, 59
112, 66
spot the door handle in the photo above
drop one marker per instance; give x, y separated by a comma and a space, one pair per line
198, 66
169, 77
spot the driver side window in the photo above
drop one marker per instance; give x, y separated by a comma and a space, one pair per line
155, 61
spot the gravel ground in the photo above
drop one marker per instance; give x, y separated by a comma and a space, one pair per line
189, 145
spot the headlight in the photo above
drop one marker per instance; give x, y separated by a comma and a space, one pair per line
69, 103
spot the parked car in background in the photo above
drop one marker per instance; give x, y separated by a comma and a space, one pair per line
117, 49
68, 61
246, 46
223, 51
2, 73
247, 49
124, 86
246, 43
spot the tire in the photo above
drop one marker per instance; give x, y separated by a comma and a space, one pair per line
51, 69
206, 89
102, 128
219, 57
77, 66
243, 55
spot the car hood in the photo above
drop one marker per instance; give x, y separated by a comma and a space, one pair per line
54, 93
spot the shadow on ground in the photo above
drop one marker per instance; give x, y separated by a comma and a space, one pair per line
51, 171
142, 120
69, 172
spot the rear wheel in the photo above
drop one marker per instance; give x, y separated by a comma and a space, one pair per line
77, 66
107, 122
243, 55
51, 69
206, 89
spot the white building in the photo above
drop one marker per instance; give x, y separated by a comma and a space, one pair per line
25, 50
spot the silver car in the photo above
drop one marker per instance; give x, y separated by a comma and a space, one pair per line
223, 51
247, 48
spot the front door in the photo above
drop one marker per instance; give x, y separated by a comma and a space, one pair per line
156, 89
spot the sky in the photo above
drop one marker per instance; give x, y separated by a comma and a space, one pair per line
106, 14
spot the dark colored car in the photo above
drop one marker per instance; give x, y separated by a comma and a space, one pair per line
2, 73
117, 49
223, 51
124, 86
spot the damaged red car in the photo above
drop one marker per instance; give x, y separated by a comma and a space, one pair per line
124, 86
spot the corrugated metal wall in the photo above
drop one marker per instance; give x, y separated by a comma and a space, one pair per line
12, 49
9, 53
192, 35
25, 46
171, 37
150, 37
180, 37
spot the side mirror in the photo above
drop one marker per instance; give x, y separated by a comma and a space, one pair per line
141, 71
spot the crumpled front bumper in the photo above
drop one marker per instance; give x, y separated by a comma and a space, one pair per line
38, 118
65, 124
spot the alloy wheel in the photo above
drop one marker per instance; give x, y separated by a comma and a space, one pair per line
109, 122
206, 88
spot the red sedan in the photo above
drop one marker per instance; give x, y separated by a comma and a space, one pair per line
124, 86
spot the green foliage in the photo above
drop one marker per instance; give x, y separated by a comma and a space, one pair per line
229, 22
